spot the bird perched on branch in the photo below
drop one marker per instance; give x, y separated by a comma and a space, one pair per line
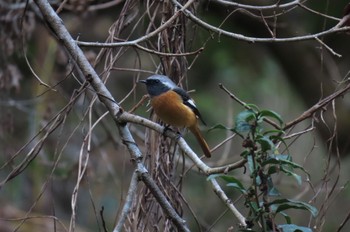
174, 106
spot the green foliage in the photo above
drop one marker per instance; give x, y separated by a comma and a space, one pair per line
294, 228
283, 204
262, 197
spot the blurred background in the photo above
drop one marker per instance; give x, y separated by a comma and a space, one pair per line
286, 77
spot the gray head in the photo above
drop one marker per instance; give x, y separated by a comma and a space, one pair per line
158, 84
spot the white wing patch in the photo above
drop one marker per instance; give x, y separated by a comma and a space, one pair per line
191, 102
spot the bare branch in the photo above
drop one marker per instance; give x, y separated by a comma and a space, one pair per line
145, 37
328, 48
221, 194
318, 106
205, 169
104, 5
128, 203
317, 13
107, 99
255, 39
136, 45
35, 75
276, 6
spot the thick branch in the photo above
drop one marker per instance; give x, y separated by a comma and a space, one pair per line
205, 169
228, 202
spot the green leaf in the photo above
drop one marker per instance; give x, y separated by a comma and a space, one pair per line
246, 116
265, 143
291, 173
258, 180
242, 127
272, 170
253, 107
283, 204
272, 191
271, 114
245, 154
238, 187
250, 164
242, 120
232, 182
294, 228
283, 163
286, 217
281, 157
282, 160
276, 138
254, 207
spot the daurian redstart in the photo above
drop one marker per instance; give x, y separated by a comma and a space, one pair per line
174, 106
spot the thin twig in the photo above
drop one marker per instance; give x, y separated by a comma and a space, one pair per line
135, 107
128, 203
299, 133
254, 7
105, 5
245, 105
273, 35
318, 106
104, 226
328, 48
149, 35
136, 42
35, 75
317, 13
249, 39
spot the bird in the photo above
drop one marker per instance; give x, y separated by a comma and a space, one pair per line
175, 107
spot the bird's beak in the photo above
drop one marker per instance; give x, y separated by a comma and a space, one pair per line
142, 81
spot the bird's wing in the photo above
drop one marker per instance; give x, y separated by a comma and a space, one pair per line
188, 101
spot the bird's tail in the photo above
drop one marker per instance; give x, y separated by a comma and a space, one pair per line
195, 130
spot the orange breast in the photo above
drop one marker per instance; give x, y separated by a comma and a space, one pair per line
170, 109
